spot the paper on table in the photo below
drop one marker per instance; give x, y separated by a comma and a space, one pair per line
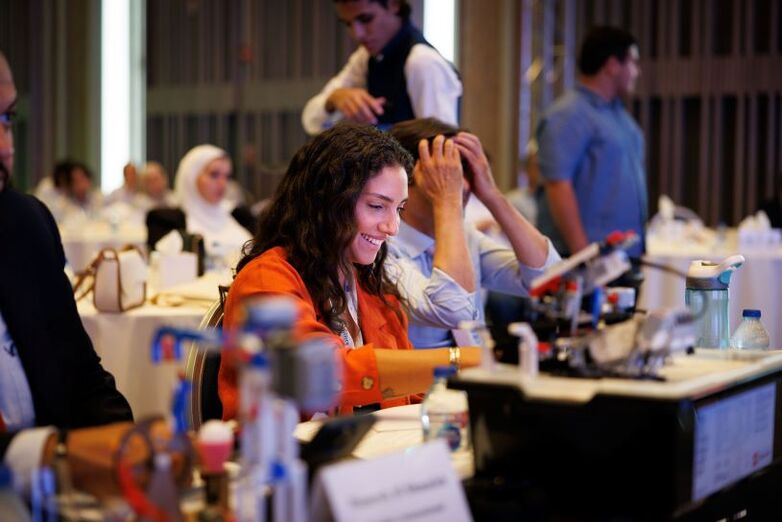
402, 418
383, 443
396, 429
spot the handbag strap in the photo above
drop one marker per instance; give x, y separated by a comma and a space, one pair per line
195, 241
90, 272
128, 247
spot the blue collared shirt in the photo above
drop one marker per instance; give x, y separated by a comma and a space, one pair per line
435, 302
599, 148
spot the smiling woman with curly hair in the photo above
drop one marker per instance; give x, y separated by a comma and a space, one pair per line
322, 241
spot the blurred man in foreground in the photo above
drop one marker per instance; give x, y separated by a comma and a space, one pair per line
50, 375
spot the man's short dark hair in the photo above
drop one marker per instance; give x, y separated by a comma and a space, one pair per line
600, 44
404, 6
409, 133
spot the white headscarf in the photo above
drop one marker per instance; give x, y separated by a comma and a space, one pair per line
213, 221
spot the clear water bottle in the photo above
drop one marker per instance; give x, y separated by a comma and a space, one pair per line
444, 412
751, 334
706, 295
712, 323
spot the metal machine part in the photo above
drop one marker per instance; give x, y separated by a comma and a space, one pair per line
590, 331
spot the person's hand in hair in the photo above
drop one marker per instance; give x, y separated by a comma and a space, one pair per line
470, 148
439, 174
529, 245
439, 177
356, 104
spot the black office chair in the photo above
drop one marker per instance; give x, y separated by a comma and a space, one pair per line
201, 369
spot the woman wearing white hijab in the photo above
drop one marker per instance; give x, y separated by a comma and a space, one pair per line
201, 181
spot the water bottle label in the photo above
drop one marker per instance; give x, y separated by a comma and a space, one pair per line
452, 427
452, 435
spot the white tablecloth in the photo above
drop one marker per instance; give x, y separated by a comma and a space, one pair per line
757, 284
83, 243
123, 343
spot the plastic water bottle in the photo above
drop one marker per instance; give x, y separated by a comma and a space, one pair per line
444, 412
751, 334
706, 295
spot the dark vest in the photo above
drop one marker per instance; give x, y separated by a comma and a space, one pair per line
386, 76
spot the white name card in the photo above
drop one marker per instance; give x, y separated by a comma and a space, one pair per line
416, 485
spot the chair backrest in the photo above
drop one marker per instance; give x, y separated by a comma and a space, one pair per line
161, 221
201, 369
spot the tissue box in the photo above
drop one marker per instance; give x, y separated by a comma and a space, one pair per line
760, 239
174, 269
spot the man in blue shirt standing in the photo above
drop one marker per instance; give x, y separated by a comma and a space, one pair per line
591, 153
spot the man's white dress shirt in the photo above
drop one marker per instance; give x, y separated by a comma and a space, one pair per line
432, 85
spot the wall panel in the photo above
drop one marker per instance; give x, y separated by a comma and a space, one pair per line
237, 73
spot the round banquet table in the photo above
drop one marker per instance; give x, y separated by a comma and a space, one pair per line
122, 341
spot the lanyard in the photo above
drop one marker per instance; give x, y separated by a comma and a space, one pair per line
351, 297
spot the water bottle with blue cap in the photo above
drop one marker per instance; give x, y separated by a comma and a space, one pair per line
707, 297
445, 413
750, 334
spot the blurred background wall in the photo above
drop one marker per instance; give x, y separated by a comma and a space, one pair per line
54, 51
237, 73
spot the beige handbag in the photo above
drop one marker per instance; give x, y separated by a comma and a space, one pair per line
117, 280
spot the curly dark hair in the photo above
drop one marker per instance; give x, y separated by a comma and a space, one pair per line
404, 7
312, 213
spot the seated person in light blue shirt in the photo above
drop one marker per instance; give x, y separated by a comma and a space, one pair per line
439, 263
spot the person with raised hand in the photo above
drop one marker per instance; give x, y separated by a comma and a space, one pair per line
439, 262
